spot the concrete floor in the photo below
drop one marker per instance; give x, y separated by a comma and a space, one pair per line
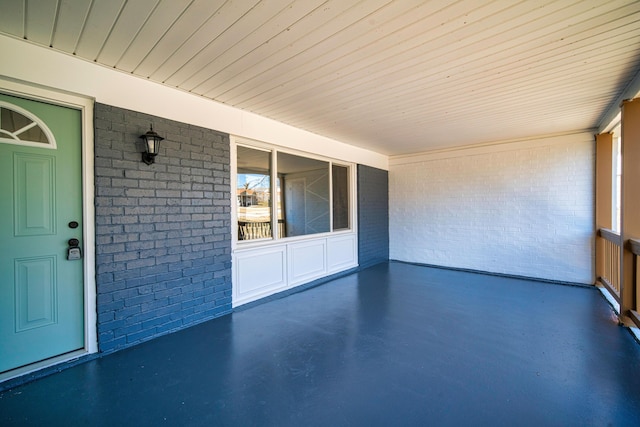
395, 344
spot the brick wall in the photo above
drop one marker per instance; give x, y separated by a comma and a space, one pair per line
373, 216
163, 233
517, 209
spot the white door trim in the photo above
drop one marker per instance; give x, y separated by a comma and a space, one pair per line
85, 105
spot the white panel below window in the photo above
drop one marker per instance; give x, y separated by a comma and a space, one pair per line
341, 253
261, 271
307, 261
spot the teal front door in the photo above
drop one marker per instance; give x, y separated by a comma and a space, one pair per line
41, 286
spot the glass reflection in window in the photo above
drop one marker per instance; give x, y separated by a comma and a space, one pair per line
254, 194
305, 194
340, 181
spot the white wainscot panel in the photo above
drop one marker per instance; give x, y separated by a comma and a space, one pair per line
307, 261
265, 270
341, 253
259, 273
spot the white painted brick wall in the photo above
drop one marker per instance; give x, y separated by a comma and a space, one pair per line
524, 208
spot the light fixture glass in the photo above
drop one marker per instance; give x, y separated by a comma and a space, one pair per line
152, 146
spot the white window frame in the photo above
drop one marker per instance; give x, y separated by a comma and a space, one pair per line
616, 169
274, 149
263, 267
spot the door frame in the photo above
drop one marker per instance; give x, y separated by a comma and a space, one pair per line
85, 105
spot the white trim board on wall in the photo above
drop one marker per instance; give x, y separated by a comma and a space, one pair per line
123, 90
494, 147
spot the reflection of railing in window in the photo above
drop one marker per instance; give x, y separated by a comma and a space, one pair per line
249, 230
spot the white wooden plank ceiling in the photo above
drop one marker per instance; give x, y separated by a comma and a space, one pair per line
394, 76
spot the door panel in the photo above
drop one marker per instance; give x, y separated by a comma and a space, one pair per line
35, 293
34, 194
41, 292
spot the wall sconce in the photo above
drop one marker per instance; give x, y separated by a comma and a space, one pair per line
152, 146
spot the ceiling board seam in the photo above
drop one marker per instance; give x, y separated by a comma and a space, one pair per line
513, 89
24, 19
247, 53
205, 47
288, 50
208, 64
380, 61
55, 23
84, 26
186, 40
25, 14
320, 43
307, 50
146, 20
113, 25
511, 72
336, 89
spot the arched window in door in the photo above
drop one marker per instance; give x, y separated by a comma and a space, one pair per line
19, 126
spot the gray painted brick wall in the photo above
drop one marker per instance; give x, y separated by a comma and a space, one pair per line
373, 216
163, 231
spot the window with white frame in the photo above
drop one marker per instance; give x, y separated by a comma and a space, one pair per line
281, 194
616, 178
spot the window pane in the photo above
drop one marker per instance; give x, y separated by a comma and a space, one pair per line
305, 195
617, 178
21, 127
340, 179
279, 207
254, 194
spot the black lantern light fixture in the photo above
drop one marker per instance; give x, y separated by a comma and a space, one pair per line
152, 146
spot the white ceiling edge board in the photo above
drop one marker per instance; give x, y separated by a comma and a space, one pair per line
613, 115
499, 146
46, 67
